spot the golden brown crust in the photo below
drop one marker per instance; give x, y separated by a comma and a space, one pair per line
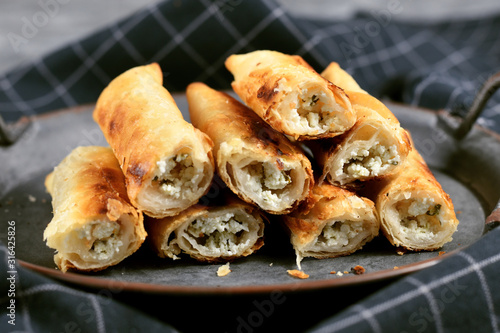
335, 74
143, 125
268, 81
326, 205
375, 125
414, 183
237, 131
89, 186
163, 233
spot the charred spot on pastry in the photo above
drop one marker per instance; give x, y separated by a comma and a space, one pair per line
110, 175
266, 93
100, 187
137, 171
114, 127
265, 134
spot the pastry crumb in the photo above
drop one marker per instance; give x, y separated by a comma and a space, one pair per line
396, 267
358, 270
298, 274
441, 253
339, 273
401, 251
333, 272
346, 272
31, 198
223, 270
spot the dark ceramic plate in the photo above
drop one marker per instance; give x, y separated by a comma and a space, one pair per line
468, 170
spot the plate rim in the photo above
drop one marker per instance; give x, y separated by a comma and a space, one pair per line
87, 280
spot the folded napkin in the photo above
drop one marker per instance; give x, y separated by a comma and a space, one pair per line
34, 303
438, 66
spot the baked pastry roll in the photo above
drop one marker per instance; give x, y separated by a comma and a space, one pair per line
375, 147
168, 164
338, 76
415, 213
209, 233
257, 163
289, 95
94, 225
334, 222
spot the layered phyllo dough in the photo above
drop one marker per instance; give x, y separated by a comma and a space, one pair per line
334, 222
168, 164
289, 95
375, 147
257, 163
94, 225
209, 233
415, 212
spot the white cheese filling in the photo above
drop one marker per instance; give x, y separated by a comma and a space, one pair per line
370, 162
221, 235
267, 181
102, 239
420, 218
339, 234
177, 176
312, 112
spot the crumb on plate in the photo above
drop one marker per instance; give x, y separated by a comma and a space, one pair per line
298, 274
358, 270
401, 251
223, 270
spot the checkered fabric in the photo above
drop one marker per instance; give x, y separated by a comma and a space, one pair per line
42, 305
439, 66
460, 294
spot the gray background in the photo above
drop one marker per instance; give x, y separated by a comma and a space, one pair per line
72, 19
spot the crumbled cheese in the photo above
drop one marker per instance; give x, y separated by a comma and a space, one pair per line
419, 207
373, 161
220, 234
175, 173
103, 237
274, 179
267, 181
340, 233
418, 220
313, 119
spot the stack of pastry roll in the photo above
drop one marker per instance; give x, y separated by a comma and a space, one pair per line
375, 147
94, 225
160, 165
414, 211
211, 232
372, 149
167, 163
294, 100
257, 163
